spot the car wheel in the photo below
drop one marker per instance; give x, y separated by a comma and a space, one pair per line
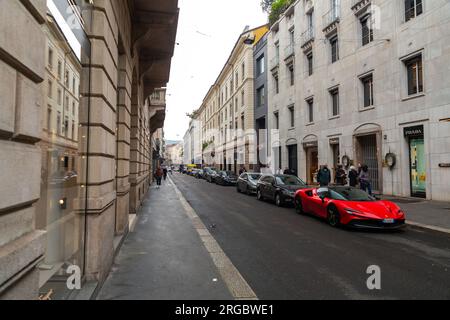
259, 195
298, 205
247, 191
238, 189
333, 217
278, 200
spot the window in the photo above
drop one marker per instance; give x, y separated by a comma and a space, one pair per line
242, 98
334, 102
292, 116
334, 49
367, 83
49, 118
67, 104
50, 58
59, 69
291, 74
66, 81
366, 31
243, 122
309, 59
415, 75
277, 51
58, 123
260, 65
236, 104
237, 80
277, 84
243, 70
310, 104
73, 108
276, 119
73, 85
260, 96
292, 37
59, 97
50, 89
413, 8
73, 130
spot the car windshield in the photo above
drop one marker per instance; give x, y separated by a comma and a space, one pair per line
289, 181
254, 177
350, 194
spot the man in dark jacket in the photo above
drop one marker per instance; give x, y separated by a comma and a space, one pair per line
353, 176
324, 176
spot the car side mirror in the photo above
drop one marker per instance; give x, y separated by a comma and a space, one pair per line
322, 196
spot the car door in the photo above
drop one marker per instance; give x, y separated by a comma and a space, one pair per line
242, 182
270, 191
319, 206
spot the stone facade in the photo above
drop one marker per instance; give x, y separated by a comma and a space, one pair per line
369, 86
227, 111
130, 57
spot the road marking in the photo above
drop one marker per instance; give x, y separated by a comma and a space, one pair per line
238, 287
426, 226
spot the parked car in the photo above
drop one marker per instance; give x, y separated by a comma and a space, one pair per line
247, 182
199, 174
193, 172
226, 178
209, 174
348, 206
279, 188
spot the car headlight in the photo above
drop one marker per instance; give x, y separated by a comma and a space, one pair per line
353, 212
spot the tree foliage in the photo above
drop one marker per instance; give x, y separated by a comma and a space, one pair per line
275, 8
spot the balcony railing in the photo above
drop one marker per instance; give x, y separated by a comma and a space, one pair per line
307, 36
288, 51
359, 6
158, 97
274, 63
332, 16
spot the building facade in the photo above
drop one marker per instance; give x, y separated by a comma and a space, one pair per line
125, 49
260, 101
364, 81
227, 112
174, 154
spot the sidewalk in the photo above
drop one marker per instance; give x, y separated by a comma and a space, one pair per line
429, 214
164, 258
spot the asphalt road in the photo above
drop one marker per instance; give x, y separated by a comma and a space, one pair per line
283, 255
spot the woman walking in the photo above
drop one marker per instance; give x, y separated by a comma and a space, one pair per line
158, 176
364, 180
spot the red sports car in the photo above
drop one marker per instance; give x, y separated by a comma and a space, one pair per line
349, 206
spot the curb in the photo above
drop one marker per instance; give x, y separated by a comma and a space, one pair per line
427, 227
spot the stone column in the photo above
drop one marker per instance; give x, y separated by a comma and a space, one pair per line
22, 67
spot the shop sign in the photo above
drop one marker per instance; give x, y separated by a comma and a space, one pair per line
413, 131
310, 144
334, 141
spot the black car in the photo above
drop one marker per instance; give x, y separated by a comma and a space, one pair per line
199, 174
209, 174
247, 182
226, 178
279, 188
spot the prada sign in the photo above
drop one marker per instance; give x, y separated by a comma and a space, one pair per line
413, 131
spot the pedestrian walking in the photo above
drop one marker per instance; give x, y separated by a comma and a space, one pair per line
353, 176
341, 176
165, 173
324, 176
158, 176
364, 180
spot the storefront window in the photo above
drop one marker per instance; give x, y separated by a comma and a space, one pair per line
60, 210
418, 170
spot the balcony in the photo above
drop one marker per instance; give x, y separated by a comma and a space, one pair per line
307, 39
274, 64
157, 107
359, 7
331, 19
289, 53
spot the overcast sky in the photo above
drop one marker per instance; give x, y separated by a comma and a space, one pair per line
207, 32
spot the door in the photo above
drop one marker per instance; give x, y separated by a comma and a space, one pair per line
293, 162
313, 164
369, 157
336, 157
417, 167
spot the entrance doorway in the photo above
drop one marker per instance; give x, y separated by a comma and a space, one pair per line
367, 154
417, 164
312, 164
292, 158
